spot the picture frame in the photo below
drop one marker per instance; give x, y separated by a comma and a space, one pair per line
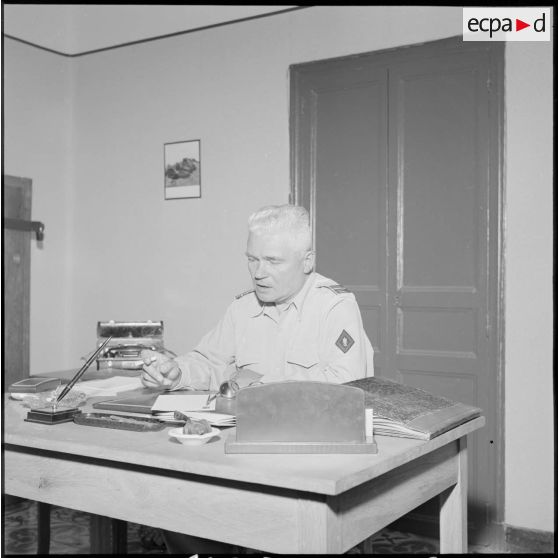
182, 174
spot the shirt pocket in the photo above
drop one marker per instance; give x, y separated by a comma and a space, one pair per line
248, 346
248, 357
303, 353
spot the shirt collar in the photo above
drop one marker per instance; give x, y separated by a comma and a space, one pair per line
297, 301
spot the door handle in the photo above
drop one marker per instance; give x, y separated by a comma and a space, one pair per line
24, 225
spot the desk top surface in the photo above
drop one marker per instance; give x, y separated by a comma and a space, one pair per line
328, 474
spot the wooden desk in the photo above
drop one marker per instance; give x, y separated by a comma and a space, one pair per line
285, 504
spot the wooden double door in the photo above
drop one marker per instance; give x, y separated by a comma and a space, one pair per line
397, 156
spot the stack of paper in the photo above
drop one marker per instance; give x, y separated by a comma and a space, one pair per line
109, 386
183, 401
193, 405
215, 419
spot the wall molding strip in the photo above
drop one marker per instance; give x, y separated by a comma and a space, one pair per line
158, 37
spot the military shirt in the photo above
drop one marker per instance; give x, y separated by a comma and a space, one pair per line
318, 335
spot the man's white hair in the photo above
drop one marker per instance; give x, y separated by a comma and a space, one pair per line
291, 219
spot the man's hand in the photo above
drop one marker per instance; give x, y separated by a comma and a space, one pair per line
159, 370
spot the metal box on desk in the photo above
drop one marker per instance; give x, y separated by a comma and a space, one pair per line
128, 340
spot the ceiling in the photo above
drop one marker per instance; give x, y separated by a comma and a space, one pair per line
79, 28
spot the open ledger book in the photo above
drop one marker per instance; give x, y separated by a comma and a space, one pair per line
409, 412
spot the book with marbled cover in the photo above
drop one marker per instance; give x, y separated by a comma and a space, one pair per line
409, 412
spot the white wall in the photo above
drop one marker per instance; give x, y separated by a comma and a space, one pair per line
228, 87
529, 293
38, 95
135, 256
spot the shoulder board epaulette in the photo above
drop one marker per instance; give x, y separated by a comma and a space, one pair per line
244, 293
336, 288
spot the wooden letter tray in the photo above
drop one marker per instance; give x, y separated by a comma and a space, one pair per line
300, 417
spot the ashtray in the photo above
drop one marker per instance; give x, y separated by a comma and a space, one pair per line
72, 399
193, 439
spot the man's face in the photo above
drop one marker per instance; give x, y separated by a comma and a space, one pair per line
277, 269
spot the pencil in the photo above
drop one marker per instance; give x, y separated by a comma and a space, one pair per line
81, 371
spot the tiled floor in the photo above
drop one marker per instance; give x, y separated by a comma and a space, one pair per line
69, 532
70, 535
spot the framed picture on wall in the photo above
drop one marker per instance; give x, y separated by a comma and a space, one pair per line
182, 170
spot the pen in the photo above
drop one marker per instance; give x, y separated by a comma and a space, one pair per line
80, 373
210, 398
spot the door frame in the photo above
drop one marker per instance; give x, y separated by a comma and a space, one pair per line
299, 177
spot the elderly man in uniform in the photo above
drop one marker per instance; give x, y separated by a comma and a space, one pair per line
295, 324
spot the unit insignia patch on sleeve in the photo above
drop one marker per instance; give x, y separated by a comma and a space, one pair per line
345, 341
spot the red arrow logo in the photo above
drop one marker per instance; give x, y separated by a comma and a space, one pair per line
519, 25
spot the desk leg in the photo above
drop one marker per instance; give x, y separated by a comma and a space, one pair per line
119, 537
366, 546
319, 527
453, 507
100, 534
107, 536
43, 520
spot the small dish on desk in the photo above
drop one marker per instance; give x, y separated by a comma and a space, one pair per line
193, 439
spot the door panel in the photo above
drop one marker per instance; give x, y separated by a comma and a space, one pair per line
434, 110
436, 331
396, 156
351, 171
439, 191
16, 274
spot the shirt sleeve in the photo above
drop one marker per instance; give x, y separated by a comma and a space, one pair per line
207, 365
344, 348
